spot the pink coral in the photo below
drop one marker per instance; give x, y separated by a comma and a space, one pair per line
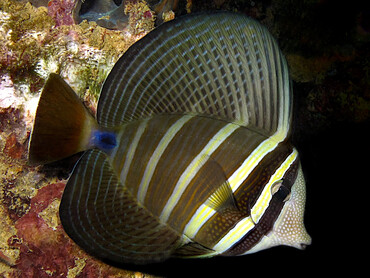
49, 252
61, 11
13, 148
43, 250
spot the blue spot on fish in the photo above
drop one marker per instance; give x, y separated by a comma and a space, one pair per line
104, 140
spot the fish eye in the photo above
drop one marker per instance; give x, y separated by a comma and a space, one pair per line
281, 190
275, 187
284, 193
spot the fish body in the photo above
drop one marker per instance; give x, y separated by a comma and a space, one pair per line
189, 155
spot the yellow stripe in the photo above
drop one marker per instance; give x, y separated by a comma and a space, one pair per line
246, 224
194, 166
254, 159
236, 179
199, 218
234, 235
265, 197
154, 159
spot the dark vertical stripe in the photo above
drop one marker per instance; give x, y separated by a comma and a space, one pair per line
229, 155
249, 191
268, 219
181, 151
147, 144
246, 195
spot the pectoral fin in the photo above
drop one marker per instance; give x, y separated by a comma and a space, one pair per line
215, 179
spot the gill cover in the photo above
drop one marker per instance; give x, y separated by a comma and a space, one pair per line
289, 228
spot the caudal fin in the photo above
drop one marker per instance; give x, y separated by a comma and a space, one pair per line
62, 125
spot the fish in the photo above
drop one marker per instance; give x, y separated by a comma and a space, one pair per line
109, 14
190, 152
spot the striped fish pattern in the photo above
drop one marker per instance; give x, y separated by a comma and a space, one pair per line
190, 155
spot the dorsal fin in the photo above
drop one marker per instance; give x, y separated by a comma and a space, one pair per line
224, 65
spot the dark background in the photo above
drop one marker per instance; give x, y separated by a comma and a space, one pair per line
330, 45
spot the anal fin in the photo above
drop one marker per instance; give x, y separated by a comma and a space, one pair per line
194, 250
100, 214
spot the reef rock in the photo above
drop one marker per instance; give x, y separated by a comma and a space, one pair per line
36, 41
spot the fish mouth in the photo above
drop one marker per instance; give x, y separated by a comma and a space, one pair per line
303, 246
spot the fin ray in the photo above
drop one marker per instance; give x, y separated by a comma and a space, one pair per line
193, 250
62, 125
101, 215
224, 65
213, 177
222, 198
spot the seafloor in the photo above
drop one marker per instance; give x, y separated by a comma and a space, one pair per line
327, 45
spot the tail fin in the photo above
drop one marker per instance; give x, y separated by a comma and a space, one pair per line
62, 125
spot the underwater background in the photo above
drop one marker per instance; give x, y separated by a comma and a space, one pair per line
327, 45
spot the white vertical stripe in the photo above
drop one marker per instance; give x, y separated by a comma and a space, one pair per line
234, 235
204, 213
265, 197
132, 149
194, 166
267, 146
199, 218
154, 159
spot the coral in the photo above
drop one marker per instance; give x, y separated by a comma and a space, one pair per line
167, 16
164, 9
23, 29
61, 11
108, 14
32, 240
136, 10
8, 254
47, 251
36, 44
13, 148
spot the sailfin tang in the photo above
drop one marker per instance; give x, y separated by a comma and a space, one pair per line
100, 214
62, 125
223, 65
